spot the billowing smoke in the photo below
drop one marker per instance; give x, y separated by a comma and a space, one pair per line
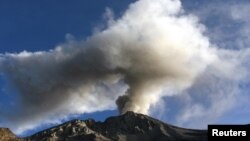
154, 50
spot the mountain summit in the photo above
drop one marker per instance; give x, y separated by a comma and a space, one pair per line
127, 127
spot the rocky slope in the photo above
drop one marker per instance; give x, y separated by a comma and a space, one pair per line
7, 135
127, 127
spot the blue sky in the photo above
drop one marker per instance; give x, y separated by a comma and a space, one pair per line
42, 25
26, 23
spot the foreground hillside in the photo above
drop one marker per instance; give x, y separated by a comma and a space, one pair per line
7, 135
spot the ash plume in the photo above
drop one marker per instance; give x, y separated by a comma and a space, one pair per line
154, 50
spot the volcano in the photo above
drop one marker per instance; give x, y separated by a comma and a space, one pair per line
127, 127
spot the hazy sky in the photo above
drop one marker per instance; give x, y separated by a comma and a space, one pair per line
43, 25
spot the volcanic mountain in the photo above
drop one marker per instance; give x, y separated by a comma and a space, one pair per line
127, 127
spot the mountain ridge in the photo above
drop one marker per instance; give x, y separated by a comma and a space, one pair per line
127, 127
7, 135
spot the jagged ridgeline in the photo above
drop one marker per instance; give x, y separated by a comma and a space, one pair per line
127, 127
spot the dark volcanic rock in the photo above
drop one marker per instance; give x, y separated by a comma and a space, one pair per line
127, 127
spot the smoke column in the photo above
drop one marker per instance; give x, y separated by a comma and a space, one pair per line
154, 50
